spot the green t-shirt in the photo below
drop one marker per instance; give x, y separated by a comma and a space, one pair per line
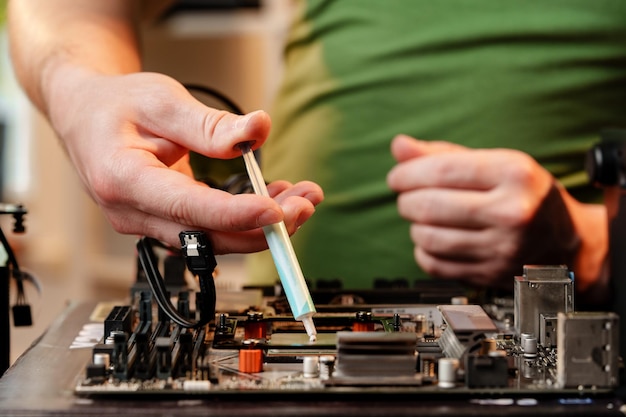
544, 77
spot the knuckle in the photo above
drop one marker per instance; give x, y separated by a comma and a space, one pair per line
521, 168
210, 122
418, 210
427, 263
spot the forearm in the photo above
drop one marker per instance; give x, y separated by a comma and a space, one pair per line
51, 38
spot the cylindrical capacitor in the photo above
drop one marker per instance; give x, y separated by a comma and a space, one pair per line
523, 337
363, 322
255, 327
488, 345
447, 372
102, 359
310, 366
529, 345
250, 358
222, 322
459, 301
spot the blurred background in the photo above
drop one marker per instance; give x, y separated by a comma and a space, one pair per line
233, 46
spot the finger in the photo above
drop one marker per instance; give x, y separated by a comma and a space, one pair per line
449, 208
170, 195
173, 113
483, 274
183, 166
168, 232
142, 223
472, 169
276, 187
281, 190
460, 244
404, 147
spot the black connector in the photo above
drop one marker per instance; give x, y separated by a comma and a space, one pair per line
120, 319
198, 252
21, 315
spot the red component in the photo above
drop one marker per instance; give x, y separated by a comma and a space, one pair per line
255, 327
363, 326
364, 322
250, 361
255, 330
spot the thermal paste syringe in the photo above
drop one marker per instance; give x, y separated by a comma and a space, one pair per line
284, 256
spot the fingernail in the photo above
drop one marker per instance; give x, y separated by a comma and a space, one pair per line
268, 217
302, 219
243, 121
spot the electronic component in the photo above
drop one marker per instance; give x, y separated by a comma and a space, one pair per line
586, 346
542, 289
451, 348
487, 371
466, 326
377, 355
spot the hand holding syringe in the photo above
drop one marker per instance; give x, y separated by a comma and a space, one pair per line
284, 256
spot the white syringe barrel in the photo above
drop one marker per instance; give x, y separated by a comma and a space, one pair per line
289, 271
285, 259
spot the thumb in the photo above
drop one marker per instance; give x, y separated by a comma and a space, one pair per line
405, 147
171, 112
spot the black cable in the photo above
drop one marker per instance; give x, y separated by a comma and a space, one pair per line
238, 183
230, 104
9, 251
204, 263
22, 315
207, 295
16, 273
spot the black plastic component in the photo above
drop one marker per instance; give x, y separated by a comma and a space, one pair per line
96, 373
163, 358
120, 356
118, 320
606, 161
198, 253
364, 316
145, 307
483, 371
397, 322
225, 328
143, 360
184, 359
183, 304
174, 271
22, 315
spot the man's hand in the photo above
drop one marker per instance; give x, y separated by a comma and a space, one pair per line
479, 215
128, 132
129, 136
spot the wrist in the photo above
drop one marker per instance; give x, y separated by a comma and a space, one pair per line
591, 258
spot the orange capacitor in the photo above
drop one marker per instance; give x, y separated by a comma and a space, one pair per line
363, 322
250, 360
255, 327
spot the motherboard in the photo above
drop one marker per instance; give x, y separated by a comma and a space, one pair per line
530, 343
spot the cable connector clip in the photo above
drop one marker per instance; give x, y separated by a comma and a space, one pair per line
198, 252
